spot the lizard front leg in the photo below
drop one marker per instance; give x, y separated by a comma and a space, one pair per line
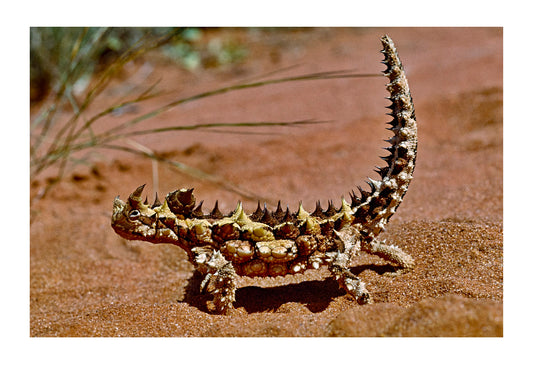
220, 273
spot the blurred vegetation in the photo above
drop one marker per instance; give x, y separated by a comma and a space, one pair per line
70, 57
71, 67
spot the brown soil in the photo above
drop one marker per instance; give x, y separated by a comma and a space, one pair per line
87, 281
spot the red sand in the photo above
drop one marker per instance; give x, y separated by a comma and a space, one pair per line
87, 281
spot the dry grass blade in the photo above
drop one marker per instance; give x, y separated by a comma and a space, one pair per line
106, 139
58, 146
314, 76
55, 149
155, 165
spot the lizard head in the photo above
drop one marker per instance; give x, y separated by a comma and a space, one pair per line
133, 219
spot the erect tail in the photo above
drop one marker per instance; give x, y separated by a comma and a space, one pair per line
374, 208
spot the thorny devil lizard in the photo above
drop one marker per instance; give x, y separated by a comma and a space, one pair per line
276, 243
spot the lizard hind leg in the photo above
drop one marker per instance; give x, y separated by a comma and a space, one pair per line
390, 253
221, 275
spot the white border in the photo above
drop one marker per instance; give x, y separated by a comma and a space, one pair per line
263, 357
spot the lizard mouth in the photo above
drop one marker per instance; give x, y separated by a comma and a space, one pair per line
134, 232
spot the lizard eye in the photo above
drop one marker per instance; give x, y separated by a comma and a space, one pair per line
134, 214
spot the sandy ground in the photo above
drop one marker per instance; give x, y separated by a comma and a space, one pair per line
87, 281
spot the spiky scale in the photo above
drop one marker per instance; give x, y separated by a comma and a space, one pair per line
302, 214
215, 213
364, 194
197, 212
287, 217
330, 211
318, 212
355, 199
267, 218
157, 203
135, 196
278, 214
258, 213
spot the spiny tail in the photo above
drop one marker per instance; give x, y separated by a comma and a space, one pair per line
374, 208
